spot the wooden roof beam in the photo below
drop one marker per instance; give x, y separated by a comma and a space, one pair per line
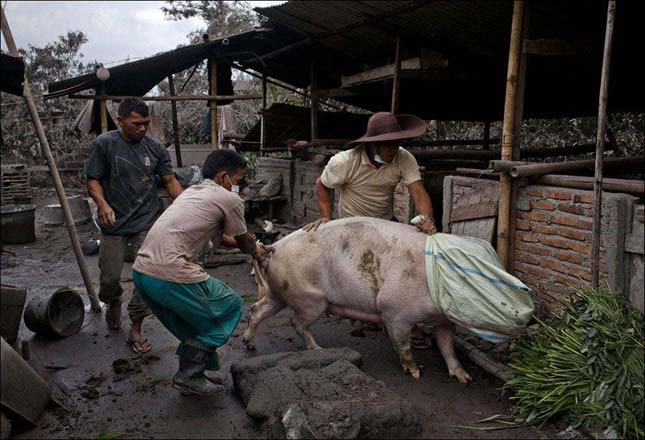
554, 46
424, 66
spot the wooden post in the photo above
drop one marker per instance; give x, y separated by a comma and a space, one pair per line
517, 143
600, 143
263, 133
314, 102
395, 80
58, 184
175, 122
486, 135
104, 113
213, 82
510, 109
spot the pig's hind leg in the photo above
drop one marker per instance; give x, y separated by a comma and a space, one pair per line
304, 317
399, 333
445, 340
261, 310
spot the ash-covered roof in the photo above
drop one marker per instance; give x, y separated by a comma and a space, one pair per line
467, 39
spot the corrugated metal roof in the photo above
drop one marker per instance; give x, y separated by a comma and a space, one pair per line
349, 37
474, 36
138, 77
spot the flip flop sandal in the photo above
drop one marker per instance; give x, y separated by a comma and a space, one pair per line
134, 348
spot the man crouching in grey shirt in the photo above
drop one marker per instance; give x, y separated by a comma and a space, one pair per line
121, 178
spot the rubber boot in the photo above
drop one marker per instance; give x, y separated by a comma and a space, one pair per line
190, 378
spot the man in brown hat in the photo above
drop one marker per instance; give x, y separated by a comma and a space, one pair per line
367, 174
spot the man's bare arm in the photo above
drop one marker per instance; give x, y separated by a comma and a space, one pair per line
105, 214
247, 244
172, 185
228, 241
422, 205
323, 196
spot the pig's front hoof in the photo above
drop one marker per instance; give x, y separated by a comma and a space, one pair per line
461, 375
414, 371
250, 345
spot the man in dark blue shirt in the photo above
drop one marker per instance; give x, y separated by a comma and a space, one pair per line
121, 178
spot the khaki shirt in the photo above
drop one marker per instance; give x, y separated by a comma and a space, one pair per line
364, 189
200, 213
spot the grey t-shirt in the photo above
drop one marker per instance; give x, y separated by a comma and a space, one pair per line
127, 174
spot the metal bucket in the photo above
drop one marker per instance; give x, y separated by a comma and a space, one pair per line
18, 224
61, 314
12, 302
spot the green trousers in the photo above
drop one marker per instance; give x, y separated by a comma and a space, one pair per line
207, 312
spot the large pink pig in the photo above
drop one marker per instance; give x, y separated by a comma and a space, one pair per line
360, 268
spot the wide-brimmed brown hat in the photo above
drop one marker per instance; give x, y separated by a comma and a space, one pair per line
386, 126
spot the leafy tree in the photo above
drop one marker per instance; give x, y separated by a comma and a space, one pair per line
55, 61
222, 17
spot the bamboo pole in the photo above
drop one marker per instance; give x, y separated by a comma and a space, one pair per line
170, 98
314, 102
103, 109
580, 182
600, 142
560, 167
504, 166
517, 143
263, 128
175, 122
482, 359
58, 184
510, 108
213, 103
397, 74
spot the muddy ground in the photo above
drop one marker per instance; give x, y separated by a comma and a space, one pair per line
140, 402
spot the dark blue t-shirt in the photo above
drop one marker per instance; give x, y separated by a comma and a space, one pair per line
127, 174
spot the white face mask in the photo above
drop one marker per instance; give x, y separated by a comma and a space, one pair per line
377, 157
234, 188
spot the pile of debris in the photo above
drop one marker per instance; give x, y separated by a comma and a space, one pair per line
321, 394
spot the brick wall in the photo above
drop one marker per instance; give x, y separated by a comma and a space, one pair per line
553, 239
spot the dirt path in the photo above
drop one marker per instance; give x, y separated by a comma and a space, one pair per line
103, 403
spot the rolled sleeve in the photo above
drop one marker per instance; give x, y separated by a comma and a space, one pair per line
336, 173
409, 167
234, 223
95, 167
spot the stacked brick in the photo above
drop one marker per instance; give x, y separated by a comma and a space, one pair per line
554, 234
554, 239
